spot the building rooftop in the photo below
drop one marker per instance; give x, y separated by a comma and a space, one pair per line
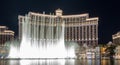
117, 35
58, 12
5, 31
2, 26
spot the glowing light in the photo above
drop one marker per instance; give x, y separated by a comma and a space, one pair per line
38, 43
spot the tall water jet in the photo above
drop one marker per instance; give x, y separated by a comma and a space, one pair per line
42, 38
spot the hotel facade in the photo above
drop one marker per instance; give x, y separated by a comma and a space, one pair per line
79, 28
116, 38
5, 35
116, 41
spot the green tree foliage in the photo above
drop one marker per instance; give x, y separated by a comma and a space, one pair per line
110, 50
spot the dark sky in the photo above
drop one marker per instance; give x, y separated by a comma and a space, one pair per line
108, 12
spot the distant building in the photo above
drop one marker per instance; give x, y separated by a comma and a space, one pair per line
116, 38
5, 35
117, 54
79, 28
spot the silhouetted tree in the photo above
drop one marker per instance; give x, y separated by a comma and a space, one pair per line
110, 50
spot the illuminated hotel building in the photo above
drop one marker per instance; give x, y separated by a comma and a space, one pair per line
79, 28
5, 35
116, 38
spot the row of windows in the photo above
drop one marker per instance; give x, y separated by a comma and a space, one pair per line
71, 19
116, 41
73, 32
89, 43
76, 20
5, 38
66, 19
84, 32
37, 30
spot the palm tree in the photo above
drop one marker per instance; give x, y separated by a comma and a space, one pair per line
110, 50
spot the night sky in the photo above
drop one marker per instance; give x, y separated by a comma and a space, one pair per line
108, 12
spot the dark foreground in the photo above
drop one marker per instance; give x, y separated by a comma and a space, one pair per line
58, 62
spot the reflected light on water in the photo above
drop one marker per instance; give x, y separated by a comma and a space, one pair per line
59, 62
43, 62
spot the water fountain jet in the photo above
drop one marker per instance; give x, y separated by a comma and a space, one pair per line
42, 40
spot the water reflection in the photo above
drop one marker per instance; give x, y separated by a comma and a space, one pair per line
60, 62
42, 62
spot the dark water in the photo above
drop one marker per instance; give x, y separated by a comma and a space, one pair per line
59, 62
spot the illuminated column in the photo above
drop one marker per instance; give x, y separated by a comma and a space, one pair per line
89, 34
5, 37
31, 30
72, 27
2, 39
42, 26
97, 34
52, 27
79, 34
39, 26
66, 31
69, 32
75, 33
27, 21
20, 26
80, 30
92, 31
34, 28
82, 33
66, 25
93, 35
86, 33
72, 32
